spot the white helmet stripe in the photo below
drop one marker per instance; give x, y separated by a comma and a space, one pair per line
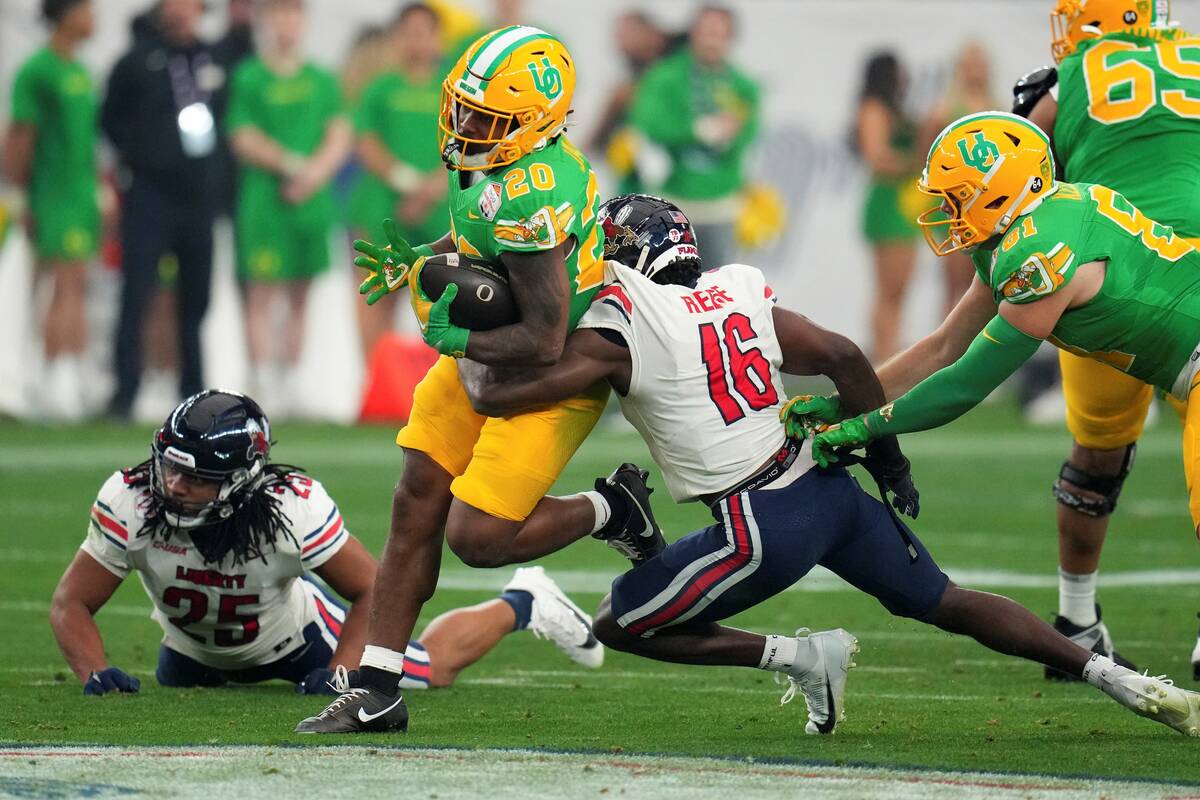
484, 61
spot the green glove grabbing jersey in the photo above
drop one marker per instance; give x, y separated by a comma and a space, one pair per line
1129, 118
535, 203
1144, 321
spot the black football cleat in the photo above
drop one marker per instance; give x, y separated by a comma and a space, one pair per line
358, 709
631, 530
1094, 637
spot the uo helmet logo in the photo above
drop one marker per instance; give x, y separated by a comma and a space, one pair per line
548, 80
982, 153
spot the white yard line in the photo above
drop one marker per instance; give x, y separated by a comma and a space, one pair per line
273, 772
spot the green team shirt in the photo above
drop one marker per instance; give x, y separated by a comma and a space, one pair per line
57, 97
295, 111
535, 203
1129, 118
1145, 320
404, 115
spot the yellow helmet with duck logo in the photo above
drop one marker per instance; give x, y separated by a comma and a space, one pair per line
1074, 21
987, 169
507, 95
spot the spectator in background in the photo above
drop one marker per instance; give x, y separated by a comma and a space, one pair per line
886, 140
704, 113
969, 92
369, 56
403, 174
290, 135
165, 99
51, 152
641, 42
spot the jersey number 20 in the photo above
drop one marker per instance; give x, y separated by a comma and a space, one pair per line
747, 370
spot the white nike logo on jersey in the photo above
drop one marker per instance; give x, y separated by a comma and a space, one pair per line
363, 716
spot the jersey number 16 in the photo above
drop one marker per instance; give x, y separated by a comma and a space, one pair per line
730, 363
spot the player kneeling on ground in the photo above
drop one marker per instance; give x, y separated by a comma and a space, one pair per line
696, 358
225, 543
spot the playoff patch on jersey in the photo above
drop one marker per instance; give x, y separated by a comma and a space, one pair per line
489, 201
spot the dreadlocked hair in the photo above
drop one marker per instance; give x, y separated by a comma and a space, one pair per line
684, 272
254, 526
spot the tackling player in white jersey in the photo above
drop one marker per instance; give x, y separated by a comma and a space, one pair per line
226, 544
696, 358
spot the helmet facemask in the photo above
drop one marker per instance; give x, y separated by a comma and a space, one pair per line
234, 488
474, 137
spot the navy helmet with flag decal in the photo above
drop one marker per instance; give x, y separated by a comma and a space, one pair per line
217, 436
649, 234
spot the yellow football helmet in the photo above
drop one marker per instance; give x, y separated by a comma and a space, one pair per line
988, 169
505, 97
1074, 21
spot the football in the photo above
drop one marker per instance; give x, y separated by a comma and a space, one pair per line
484, 299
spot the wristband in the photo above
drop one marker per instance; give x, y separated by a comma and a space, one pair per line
293, 164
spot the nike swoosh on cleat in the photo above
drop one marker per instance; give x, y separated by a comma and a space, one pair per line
591, 639
827, 725
647, 529
363, 716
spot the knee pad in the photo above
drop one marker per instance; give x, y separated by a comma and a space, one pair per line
1107, 486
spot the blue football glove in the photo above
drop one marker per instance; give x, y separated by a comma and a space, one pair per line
111, 680
319, 681
440, 333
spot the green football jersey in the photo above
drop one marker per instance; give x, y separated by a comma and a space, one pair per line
295, 111
1145, 320
535, 203
57, 97
404, 116
1129, 118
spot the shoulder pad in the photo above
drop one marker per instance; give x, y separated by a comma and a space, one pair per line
1031, 88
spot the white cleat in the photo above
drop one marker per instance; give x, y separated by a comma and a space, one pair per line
1156, 698
558, 619
824, 686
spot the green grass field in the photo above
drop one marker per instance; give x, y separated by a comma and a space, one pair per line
919, 697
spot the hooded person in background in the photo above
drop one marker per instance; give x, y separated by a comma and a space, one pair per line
162, 112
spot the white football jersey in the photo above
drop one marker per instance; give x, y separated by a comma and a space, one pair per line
706, 389
223, 615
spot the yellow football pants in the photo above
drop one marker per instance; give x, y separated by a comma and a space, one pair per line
501, 466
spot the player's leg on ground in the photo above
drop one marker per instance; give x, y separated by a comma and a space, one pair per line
703, 643
894, 262
1106, 411
457, 639
412, 556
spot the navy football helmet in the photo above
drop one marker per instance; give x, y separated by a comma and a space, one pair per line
647, 233
223, 437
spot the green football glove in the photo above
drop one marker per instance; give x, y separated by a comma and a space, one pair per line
389, 266
440, 333
851, 433
806, 411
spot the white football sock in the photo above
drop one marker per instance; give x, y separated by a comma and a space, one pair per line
1077, 597
382, 658
600, 505
788, 654
1099, 669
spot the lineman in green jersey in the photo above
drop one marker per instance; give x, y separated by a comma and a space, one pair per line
525, 199
1120, 117
51, 152
403, 176
288, 130
1077, 265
